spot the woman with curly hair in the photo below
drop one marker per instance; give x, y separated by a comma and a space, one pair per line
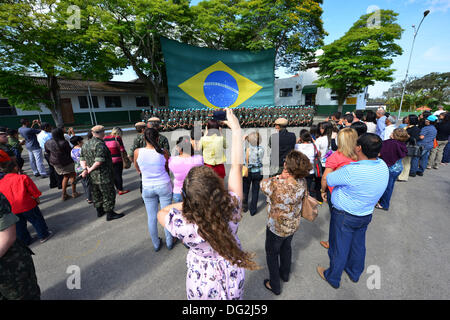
285, 194
207, 221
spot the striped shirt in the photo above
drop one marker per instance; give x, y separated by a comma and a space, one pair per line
358, 186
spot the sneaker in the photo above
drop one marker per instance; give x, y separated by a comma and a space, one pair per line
50, 234
429, 167
420, 174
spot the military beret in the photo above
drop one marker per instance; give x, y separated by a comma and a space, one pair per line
98, 128
140, 124
282, 122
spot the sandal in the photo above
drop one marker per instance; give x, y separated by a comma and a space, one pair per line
65, 197
378, 206
75, 195
325, 244
89, 201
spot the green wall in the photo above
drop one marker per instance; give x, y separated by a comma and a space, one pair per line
326, 110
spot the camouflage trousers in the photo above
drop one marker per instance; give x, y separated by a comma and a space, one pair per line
17, 274
104, 195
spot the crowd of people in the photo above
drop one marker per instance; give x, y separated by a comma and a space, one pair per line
249, 117
350, 161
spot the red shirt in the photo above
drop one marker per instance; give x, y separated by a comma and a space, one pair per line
19, 190
335, 161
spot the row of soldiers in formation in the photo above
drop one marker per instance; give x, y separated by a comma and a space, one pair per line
172, 119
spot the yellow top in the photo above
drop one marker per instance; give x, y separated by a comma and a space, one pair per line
213, 149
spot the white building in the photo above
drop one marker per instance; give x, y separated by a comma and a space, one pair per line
301, 90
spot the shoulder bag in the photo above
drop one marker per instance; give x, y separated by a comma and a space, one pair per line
317, 163
414, 150
126, 161
310, 206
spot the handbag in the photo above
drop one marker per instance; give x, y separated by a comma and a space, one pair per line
310, 206
125, 160
317, 164
414, 150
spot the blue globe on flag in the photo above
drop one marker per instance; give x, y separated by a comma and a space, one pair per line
221, 89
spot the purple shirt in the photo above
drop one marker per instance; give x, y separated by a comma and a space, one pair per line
392, 151
180, 167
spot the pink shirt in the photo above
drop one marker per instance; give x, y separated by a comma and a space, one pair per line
180, 167
116, 147
335, 161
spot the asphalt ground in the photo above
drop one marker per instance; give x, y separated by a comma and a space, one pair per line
408, 247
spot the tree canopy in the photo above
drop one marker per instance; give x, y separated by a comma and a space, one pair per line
361, 57
430, 90
36, 39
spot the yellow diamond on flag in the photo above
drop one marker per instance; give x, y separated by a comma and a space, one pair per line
219, 86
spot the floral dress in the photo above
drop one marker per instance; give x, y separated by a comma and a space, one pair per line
209, 275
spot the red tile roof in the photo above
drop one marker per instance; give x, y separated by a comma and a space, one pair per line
72, 85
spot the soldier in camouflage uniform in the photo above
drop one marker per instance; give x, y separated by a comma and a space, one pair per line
17, 273
96, 161
139, 140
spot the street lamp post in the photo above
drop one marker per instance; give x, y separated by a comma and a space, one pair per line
409, 62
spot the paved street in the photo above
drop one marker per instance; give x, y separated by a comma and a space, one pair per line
410, 244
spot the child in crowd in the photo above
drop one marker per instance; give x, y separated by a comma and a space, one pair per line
77, 143
23, 195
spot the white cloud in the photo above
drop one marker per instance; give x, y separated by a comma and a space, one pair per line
437, 54
439, 5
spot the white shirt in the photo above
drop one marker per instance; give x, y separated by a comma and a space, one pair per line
437, 113
43, 137
308, 150
388, 131
322, 146
371, 127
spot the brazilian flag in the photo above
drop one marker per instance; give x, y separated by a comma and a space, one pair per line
199, 77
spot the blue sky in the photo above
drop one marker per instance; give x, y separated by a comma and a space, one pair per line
432, 48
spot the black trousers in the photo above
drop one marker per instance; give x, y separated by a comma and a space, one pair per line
253, 180
118, 169
55, 179
278, 256
313, 184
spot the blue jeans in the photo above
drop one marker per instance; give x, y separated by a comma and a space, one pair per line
177, 198
34, 216
446, 155
152, 196
37, 162
393, 175
347, 246
419, 164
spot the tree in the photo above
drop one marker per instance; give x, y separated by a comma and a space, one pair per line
36, 38
293, 27
434, 89
361, 57
134, 28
